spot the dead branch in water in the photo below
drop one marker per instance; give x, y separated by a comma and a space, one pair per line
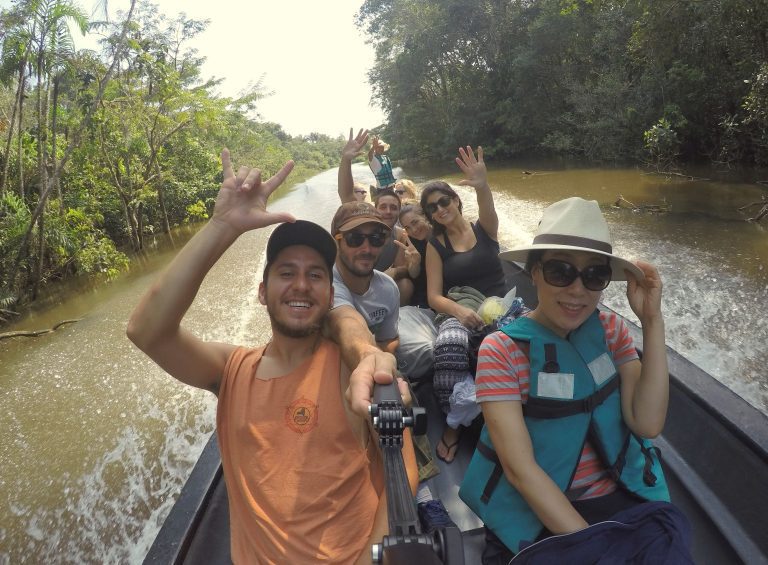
762, 202
622, 202
763, 211
674, 174
36, 333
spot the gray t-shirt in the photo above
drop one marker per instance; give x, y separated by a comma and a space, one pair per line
379, 306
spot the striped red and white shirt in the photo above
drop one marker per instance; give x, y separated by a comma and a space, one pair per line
503, 374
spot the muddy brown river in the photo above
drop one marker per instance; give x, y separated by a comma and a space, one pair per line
96, 441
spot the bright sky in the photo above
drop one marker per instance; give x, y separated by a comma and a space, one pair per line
311, 54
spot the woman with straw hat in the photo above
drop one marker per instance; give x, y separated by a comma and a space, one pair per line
567, 403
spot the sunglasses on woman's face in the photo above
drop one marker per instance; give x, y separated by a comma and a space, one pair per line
562, 274
399, 191
443, 202
356, 239
360, 192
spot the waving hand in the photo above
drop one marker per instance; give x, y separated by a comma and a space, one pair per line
473, 167
242, 200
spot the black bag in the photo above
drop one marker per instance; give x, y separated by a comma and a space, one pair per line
476, 338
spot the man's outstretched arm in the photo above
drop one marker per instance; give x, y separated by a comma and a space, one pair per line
155, 324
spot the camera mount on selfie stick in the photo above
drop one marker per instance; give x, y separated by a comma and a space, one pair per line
406, 543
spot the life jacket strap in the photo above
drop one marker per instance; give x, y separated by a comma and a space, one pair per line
649, 478
489, 453
618, 467
550, 359
493, 481
548, 408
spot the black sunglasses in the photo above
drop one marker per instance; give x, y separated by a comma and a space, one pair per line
356, 239
562, 274
443, 202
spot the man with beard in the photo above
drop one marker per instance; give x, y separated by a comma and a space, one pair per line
365, 299
304, 474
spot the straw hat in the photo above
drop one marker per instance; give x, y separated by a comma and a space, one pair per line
575, 224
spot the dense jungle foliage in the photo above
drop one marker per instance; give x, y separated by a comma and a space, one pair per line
658, 81
98, 151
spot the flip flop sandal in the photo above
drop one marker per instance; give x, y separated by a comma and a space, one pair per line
448, 450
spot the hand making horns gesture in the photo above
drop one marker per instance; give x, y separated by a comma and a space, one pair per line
242, 200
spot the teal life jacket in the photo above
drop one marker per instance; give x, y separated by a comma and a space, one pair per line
574, 397
384, 175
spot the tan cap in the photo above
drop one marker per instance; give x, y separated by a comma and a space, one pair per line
353, 214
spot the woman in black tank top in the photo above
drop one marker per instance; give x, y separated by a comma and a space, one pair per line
459, 254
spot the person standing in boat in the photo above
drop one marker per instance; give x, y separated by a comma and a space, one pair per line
380, 164
459, 254
304, 484
566, 401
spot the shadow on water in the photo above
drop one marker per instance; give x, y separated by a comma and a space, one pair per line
96, 441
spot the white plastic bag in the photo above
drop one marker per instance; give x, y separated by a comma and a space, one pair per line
494, 307
464, 409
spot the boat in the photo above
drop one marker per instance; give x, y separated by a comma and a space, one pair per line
714, 449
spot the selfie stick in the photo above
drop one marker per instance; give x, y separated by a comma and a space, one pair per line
406, 543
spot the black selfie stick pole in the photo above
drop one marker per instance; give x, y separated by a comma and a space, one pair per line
406, 543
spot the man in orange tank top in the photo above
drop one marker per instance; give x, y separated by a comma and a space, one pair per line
303, 472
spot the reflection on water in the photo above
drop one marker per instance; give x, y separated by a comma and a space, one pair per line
96, 441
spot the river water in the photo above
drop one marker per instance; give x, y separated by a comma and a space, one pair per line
96, 441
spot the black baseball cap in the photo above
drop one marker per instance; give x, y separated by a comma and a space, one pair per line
302, 232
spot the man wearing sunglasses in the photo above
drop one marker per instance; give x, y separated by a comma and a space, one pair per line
365, 299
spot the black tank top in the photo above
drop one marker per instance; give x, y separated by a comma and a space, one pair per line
419, 297
479, 267
388, 252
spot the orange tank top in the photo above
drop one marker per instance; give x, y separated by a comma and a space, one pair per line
298, 480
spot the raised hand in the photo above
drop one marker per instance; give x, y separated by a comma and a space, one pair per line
412, 256
473, 168
242, 200
354, 146
645, 295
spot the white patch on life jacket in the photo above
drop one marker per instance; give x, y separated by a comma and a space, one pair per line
602, 369
556, 385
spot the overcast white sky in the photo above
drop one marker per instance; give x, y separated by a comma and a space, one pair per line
312, 55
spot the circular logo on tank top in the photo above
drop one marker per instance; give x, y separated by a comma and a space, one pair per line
301, 415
